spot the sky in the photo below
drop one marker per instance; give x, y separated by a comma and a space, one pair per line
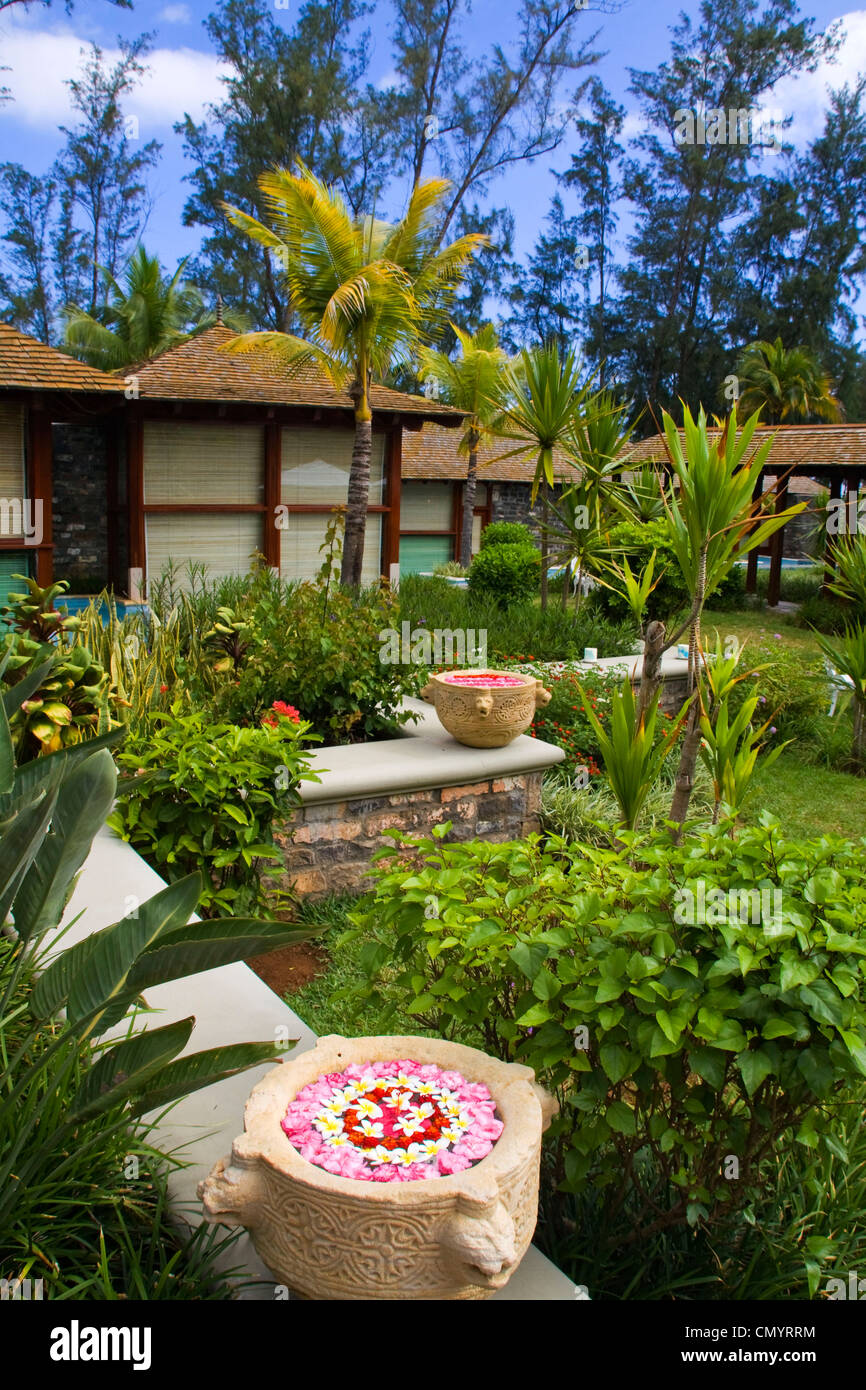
42, 46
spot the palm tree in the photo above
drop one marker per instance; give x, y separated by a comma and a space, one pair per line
145, 315
470, 383
785, 385
541, 392
598, 436
364, 291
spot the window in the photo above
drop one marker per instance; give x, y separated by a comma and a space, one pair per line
427, 507
305, 532
224, 541
421, 554
316, 464
13, 486
203, 464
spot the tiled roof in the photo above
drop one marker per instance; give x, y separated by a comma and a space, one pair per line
803, 446
197, 370
431, 454
26, 364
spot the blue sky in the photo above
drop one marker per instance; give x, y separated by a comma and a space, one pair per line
41, 47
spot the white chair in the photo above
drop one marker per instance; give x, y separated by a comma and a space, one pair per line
839, 684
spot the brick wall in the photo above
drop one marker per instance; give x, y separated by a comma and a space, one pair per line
327, 845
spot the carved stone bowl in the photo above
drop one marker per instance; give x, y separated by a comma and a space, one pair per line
324, 1236
485, 715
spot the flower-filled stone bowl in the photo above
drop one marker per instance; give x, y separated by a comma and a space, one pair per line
485, 709
387, 1168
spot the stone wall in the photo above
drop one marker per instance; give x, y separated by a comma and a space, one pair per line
79, 504
510, 502
327, 845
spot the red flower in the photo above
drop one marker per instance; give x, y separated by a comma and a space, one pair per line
163, 689
282, 710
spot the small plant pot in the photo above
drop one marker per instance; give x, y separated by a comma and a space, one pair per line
485, 709
325, 1236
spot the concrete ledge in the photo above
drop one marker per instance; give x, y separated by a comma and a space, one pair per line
424, 758
230, 1004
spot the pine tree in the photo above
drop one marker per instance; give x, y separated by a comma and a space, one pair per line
100, 175
594, 175
546, 295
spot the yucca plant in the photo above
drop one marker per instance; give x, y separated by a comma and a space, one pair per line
848, 654
541, 392
709, 517
633, 753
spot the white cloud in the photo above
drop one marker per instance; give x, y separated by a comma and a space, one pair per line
176, 14
804, 98
177, 80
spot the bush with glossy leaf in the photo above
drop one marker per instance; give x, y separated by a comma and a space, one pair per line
203, 795
628, 979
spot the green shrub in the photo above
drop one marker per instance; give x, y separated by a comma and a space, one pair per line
507, 573
65, 694
203, 796
75, 1083
662, 1025
827, 614
795, 585
518, 634
317, 646
668, 599
506, 533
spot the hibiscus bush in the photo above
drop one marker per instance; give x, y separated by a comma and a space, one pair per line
204, 795
693, 1007
565, 722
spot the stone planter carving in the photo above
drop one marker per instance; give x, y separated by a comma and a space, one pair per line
329, 1237
485, 715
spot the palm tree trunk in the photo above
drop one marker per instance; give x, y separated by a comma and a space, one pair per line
359, 489
545, 542
685, 779
469, 489
653, 650
858, 746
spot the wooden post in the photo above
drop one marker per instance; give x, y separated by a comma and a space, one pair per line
135, 500
829, 558
777, 549
393, 478
273, 468
41, 487
752, 559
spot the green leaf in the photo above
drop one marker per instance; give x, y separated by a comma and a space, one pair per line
538, 1014
755, 1066
127, 1068
206, 945
83, 802
620, 1117
529, 957
545, 986
709, 1065
190, 1074
88, 976
616, 1061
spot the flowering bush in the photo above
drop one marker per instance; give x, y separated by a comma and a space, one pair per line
201, 794
565, 721
393, 1121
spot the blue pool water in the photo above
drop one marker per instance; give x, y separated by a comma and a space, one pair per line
76, 603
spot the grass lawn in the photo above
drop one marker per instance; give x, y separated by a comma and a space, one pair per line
757, 624
809, 800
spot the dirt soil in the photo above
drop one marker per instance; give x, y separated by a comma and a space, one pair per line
291, 967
